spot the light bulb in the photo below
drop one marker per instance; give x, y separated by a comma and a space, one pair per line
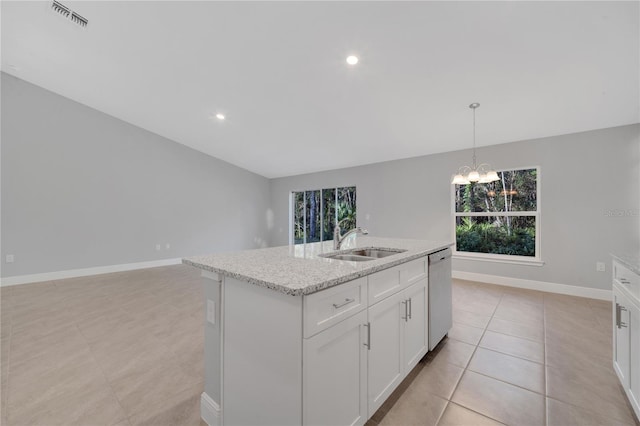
459, 180
473, 176
492, 176
352, 60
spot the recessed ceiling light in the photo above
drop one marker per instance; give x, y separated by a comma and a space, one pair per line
220, 116
352, 60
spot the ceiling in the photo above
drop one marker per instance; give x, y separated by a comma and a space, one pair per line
278, 71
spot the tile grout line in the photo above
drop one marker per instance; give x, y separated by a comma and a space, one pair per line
115, 395
467, 366
560, 400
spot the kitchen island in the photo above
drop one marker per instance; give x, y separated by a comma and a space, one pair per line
295, 337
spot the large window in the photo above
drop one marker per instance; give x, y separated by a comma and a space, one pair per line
315, 213
499, 219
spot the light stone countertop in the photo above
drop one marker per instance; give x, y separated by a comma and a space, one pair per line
629, 260
297, 270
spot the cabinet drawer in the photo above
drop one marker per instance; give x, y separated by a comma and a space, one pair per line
413, 271
328, 307
627, 278
383, 284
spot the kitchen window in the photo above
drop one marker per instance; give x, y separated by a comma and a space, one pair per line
499, 220
315, 213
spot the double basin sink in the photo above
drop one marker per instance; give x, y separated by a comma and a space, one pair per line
362, 254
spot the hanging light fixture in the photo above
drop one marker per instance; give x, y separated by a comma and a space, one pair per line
482, 173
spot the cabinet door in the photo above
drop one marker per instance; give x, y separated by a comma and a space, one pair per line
335, 374
634, 364
416, 338
385, 354
621, 336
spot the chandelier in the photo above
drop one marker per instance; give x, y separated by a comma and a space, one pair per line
481, 173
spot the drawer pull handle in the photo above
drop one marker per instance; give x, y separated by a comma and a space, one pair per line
346, 302
623, 324
624, 280
410, 306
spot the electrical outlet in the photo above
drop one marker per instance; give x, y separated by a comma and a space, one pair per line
167, 246
158, 247
601, 267
10, 258
211, 311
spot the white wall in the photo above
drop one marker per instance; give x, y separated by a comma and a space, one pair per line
82, 189
583, 176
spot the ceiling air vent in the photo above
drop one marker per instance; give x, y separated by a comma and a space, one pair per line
77, 19
65, 12
60, 8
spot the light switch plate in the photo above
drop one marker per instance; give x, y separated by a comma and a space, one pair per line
601, 267
10, 258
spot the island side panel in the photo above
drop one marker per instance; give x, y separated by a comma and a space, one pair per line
262, 356
210, 401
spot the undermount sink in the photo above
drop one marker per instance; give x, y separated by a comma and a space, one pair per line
349, 257
362, 254
375, 252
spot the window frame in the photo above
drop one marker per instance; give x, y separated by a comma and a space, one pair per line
304, 210
502, 258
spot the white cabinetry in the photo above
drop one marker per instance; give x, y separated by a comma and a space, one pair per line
394, 323
621, 336
626, 332
398, 340
416, 329
335, 374
634, 349
385, 357
328, 358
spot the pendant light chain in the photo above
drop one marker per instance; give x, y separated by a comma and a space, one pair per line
482, 173
474, 137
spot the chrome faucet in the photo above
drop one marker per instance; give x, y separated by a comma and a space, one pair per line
338, 239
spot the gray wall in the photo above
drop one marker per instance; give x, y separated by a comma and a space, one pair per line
83, 189
583, 176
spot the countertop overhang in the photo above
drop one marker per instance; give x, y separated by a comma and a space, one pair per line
298, 269
629, 260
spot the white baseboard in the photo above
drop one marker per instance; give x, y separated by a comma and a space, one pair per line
73, 273
209, 410
571, 290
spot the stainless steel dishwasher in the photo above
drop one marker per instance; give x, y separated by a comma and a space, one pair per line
440, 316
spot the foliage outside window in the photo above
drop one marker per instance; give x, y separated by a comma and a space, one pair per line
315, 213
499, 218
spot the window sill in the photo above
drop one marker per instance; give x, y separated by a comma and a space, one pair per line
519, 261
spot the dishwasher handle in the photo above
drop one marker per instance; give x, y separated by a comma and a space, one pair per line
439, 256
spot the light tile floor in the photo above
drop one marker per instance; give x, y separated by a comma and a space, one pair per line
515, 357
126, 349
